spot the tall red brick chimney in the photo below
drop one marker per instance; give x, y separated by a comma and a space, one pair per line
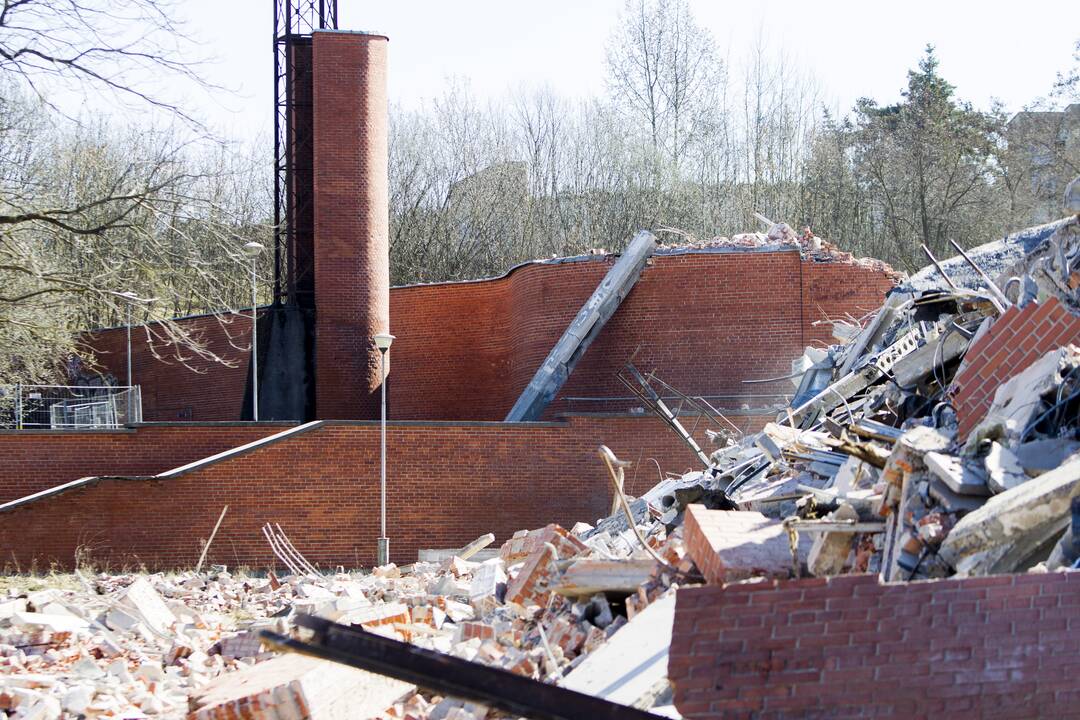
351, 201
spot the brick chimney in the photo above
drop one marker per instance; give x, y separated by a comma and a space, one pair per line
351, 208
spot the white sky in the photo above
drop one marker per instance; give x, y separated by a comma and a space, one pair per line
1010, 51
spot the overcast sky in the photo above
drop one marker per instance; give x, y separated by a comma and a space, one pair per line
1010, 51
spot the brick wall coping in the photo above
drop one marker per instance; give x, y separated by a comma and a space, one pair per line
331, 31
727, 412
132, 427
167, 474
451, 423
69, 431
213, 423
289, 432
661, 252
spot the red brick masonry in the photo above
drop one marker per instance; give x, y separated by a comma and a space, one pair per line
1015, 341
703, 320
352, 220
33, 461
448, 484
1005, 647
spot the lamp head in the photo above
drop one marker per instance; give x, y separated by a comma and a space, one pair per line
383, 341
253, 249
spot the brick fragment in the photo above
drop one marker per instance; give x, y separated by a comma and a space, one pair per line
532, 584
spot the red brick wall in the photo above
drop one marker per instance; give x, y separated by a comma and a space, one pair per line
448, 484
1005, 646
352, 262
703, 321
176, 382
38, 460
1016, 340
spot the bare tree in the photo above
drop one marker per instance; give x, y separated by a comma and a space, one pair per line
90, 210
663, 68
129, 51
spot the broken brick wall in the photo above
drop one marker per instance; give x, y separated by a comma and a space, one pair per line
1003, 646
703, 321
448, 483
1012, 344
36, 460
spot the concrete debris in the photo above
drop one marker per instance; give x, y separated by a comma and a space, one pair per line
632, 662
953, 399
188, 644
941, 438
294, 686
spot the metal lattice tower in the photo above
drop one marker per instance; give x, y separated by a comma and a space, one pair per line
294, 23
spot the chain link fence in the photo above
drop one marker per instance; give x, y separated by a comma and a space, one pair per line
69, 406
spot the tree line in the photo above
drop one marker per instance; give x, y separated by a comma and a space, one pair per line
684, 142
100, 216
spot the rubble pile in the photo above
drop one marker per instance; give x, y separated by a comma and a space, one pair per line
940, 437
169, 645
781, 234
905, 454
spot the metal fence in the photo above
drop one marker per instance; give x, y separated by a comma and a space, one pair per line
69, 406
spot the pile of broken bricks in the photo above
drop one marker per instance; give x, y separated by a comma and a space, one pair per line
549, 605
939, 437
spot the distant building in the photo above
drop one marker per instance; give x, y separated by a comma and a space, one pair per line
1049, 144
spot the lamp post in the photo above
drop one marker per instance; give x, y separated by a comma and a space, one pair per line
253, 250
382, 342
131, 299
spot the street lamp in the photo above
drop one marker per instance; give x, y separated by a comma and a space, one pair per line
383, 341
131, 298
253, 250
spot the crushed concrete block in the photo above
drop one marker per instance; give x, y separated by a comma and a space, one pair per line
1040, 456
964, 476
1000, 534
147, 604
488, 583
830, 550
10, 607
1003, 469
54, 623
588, 576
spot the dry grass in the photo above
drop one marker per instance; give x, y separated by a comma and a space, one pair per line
33, 583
